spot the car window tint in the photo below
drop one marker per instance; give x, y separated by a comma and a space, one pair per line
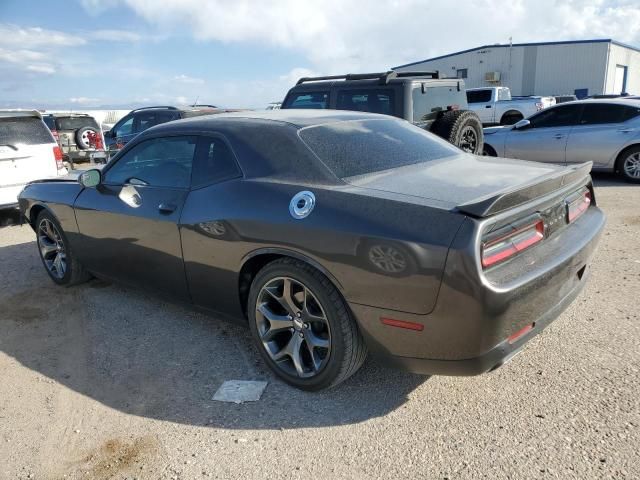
315, 100
160, 162
374, 101
427, 105
479, 96
214, 162
557, 117
74, 123
125, 128
365, 146
600, 113
25, 131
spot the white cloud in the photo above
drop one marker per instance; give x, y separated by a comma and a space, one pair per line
14, 36
188, 80
84, 100
340, 36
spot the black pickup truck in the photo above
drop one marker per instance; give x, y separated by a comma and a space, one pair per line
436, 104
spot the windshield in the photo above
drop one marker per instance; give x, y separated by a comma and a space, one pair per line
74, 123
365, 146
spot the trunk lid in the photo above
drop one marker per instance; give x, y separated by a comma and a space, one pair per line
477, 186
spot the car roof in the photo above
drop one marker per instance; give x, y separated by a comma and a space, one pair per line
19, 113
299, 118
608, 101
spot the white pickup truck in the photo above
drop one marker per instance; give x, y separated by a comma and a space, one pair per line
495, 106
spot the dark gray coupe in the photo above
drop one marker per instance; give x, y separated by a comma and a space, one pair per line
332, 234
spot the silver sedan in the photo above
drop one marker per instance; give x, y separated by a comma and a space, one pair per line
606, 132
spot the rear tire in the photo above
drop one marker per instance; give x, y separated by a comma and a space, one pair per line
56, 254
295, 311
462, 128
628, 165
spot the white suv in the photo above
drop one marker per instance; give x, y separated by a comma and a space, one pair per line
28, 152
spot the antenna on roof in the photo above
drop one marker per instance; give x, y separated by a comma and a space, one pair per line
195, 102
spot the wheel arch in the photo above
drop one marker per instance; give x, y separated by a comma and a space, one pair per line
620, 155
35, 210
509, 113
254, 261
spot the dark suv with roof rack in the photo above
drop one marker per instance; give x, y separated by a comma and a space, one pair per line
137, 121
436, 104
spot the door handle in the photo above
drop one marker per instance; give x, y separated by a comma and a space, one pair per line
167, 208
487, 106
627, 130
559, 136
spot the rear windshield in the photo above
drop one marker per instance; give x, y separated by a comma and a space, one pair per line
365, 146
479, 96
74, 123
24, 130
314, 100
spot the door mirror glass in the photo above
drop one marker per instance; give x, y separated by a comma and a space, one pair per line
90, 178
522, 124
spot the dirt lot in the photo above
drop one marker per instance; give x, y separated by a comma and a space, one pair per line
102, 382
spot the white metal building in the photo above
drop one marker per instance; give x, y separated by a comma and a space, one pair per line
580, 67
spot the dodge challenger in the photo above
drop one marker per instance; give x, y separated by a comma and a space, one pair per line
332, 235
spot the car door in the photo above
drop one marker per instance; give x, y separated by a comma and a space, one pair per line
545, 138
603, 130
129, 224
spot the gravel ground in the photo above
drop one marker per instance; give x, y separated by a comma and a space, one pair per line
99, 381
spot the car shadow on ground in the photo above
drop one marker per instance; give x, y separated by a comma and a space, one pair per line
602, 179
143, 356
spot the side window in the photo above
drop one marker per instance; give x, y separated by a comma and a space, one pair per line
427, 105
159, 162
504, 94
479, 96
146, 120
214, 162
562, 116
461, 73
374, 101
125, 128
316, 100
601, 113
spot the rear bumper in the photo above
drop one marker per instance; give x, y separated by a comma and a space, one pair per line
467, 332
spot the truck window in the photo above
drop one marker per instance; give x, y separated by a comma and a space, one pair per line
315, 100
374, 101
479, 96
504, 94
427, 105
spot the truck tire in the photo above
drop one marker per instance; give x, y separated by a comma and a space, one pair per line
511, 117
462, 128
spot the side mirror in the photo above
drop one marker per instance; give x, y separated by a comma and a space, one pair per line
90, 178
522, 124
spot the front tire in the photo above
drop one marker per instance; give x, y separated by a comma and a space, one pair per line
628, 165
58, 259
302, 326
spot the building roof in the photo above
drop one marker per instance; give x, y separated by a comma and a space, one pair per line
533, 44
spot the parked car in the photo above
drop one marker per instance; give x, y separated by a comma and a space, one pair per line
139, 120
28, 152
274, 106
331, 234
605, 132
565, 98
423, 98
495, 106
79, 136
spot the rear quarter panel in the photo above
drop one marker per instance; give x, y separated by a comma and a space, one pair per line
224, 225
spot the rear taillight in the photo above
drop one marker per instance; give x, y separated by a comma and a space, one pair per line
57, 154
577, 206
511, 240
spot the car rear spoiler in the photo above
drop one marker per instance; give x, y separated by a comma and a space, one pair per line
522, 194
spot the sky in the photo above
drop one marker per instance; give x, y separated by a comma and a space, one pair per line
246, 53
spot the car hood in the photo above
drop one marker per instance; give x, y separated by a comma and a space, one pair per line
459, 179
